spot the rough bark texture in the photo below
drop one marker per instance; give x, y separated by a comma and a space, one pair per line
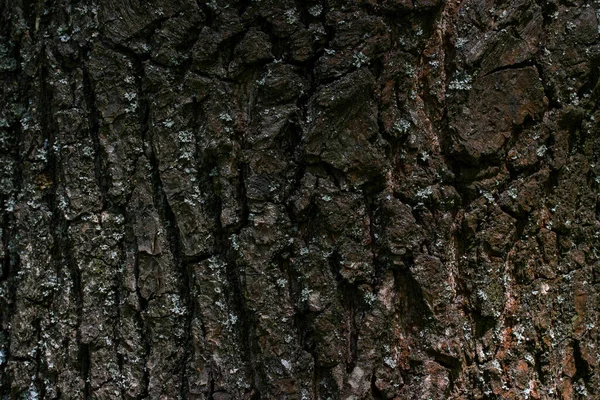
280, 199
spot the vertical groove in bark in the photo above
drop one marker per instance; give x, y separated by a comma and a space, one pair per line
93, 126
11, 261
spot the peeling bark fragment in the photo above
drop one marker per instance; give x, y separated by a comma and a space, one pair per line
498, 103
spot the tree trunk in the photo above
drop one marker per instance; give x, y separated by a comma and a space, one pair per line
278, 199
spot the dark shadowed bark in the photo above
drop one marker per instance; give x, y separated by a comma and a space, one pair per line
288, 199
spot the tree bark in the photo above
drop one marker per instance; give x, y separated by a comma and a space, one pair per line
279, 199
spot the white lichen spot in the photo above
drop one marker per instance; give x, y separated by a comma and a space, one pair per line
10, 205
529, 359
390, 362
186, 136
304, 294
32, 394
541, 150
574, 99
518, 334
370, 298
261, 81
461, 83
291, 17
488, 196
316, 10
133, 108
130, 96
482, 295
460, 42
358, 60
168, 123
402, 125
305, 394
286, 364
590, 326
326, 197
189, 202
580, 388
225, 117
512, 193
220, 305
234, 242
425, 193
214, 264
212, 4
88, 151
281, 282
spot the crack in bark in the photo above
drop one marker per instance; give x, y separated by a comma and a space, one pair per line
94, 127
